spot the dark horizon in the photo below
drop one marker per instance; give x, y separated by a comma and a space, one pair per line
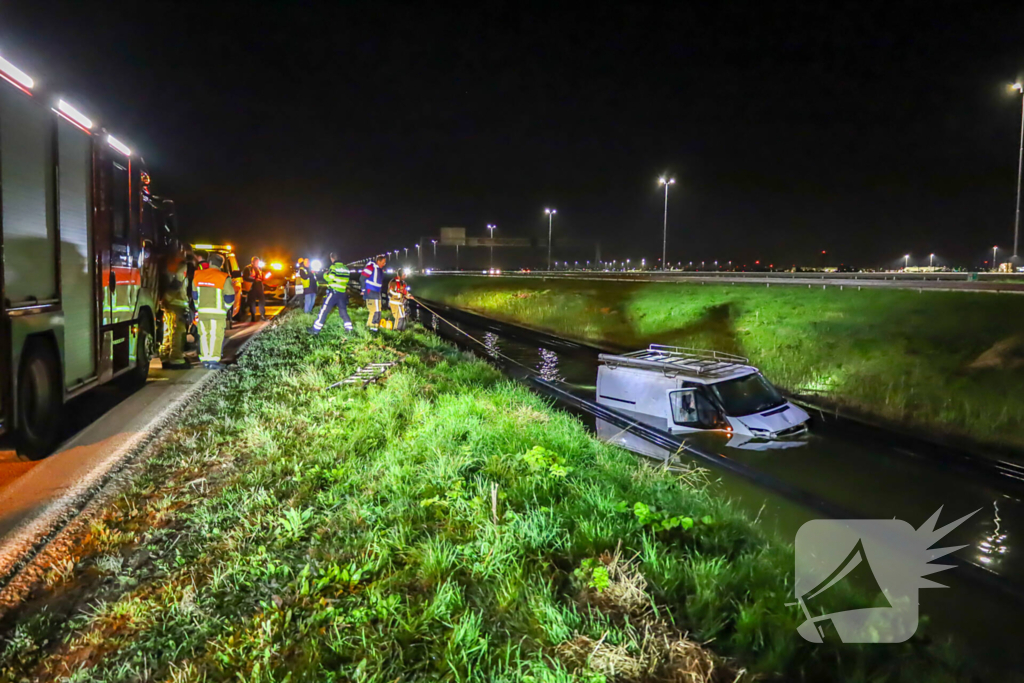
868, 133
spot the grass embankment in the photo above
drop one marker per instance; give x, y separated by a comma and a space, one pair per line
443, 525
945, 361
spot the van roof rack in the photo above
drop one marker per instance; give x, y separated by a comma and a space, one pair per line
681, 360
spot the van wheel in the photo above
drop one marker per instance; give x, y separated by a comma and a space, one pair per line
145, 347
39, 403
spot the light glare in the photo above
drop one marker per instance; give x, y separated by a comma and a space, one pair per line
119, 146
16, 74
73, 114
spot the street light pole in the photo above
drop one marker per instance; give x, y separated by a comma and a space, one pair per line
906, 261
551, 215
434, 242
994, 250
931, 260
1020, 164
664, 228
491, 228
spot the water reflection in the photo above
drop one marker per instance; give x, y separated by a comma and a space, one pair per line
491, 344
548, 366
993, 545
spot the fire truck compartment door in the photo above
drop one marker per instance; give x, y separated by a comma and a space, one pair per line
123, 285
77, 259
27, 181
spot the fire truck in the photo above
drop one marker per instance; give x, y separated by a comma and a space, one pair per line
82, 237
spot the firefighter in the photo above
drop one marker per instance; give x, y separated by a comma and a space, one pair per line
336, 277
398, 296
370, 282
214, 295
253, 276
176, 315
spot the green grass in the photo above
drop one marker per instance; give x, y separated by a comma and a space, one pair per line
895, 354
445, 525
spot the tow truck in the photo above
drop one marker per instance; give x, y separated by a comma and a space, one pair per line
84, 241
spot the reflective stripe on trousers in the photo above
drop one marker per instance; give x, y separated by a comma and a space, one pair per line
373, 306
211, 336
331, 299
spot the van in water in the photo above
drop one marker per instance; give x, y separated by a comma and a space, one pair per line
684, 390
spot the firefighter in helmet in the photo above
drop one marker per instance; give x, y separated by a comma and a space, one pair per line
214, 294
398, 299
175, 307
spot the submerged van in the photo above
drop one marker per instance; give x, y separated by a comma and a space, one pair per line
685, 390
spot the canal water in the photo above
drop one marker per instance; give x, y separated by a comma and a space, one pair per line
858, 472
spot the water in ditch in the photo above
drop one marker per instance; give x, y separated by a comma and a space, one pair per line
858, 472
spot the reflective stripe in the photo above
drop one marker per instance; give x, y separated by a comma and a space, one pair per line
211, 310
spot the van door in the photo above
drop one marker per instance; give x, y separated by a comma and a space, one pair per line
690, 408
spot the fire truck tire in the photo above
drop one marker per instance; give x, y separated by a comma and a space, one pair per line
40, 402
144, 346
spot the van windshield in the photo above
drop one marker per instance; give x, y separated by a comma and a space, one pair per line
747, 395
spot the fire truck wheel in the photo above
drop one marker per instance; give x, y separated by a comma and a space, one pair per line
144, 352
39, 402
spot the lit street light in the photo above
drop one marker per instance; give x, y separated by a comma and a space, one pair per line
1020, 159
434, 242
491, 228
906, 261
406, 252
664, 228
931, 260
551, 215
994, 264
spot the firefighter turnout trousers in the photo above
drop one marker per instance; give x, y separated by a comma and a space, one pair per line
172, 346
333, 299
373, 320
399, 312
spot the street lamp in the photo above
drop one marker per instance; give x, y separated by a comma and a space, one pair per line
994, 250
1020, 159
664, 228
931, 260
406, 252
491, 228
906, 261
551, 215
434, 242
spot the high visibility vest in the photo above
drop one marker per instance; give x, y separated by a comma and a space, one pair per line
213, 291
337, 277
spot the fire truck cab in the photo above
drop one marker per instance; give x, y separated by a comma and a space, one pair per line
82, 238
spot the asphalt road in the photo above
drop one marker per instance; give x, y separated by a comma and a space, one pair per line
993, 283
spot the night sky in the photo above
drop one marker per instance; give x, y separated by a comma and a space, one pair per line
867, 130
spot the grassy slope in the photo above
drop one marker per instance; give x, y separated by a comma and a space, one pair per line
900, 355
410, 531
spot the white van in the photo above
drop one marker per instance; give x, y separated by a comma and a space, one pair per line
685, 390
